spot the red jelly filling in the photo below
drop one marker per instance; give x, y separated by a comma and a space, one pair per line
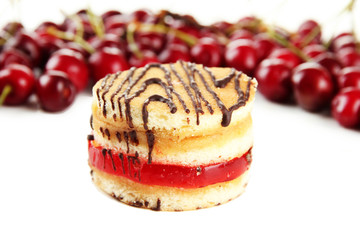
139, 170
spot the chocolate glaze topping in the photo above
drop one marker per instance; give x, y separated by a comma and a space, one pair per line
123, 96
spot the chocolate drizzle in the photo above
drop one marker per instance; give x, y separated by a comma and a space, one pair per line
124, 94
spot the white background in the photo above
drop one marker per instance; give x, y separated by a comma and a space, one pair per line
305, 177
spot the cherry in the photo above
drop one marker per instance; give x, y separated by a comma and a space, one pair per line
28, 44
274, 78
13, 55
44, 26
264, 45
348, 57
48, 45
77, 48
109, 13
345, 41
147, 57
55, 91
313, 50
207, 52
150, 40
141, 15
241, 54
349, 77
221, 26
16, 84
329, 61
313, 86
73, 64
107, 60
305, 30
249, 23
345, 107
108, 40
241, 34
116, 24
288, 56
174, 52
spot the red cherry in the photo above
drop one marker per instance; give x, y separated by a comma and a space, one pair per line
288, 56
147, 57
264, 45
241, 34
55, 91
174, 52
20, 81
207, 52
108, 40
77, 48
116, 24
313, 86
141, 15
337, 37
13, 55
109, 13
348, 57
150, 41
249, 22
329, 61
349, 77
241, 54
221, 26
274, 78
345, 107
313, 50
26, 43
73, 64
107, 60
307, 28
346, 41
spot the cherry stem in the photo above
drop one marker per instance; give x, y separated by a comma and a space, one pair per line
96, 23
71, 37
130, 38
286, 43
310, 36
5, 92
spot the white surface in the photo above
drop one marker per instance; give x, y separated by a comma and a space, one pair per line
305, 181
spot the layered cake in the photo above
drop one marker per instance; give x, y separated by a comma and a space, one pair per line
172, 137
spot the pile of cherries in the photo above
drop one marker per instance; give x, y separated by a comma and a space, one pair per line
57, 61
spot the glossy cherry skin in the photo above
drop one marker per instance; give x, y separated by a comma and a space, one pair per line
150, 41
314, 50
264, 45
329, 61
241, 54
241, 34
13, 55
288, 56
173, 53
108, 40
348, 57
221, 26
147, 57
345, 41
106, 61
207, 52
73, 64
349, 77
21, 80
109, 13
313, 86
116, 24
274, 78
345, 107
55, 91
307, 28
77, 48
26, 43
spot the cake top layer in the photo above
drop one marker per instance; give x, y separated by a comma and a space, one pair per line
170, 96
